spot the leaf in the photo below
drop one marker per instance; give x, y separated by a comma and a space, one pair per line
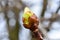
27, 14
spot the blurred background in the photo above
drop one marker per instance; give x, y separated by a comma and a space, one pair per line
11, 11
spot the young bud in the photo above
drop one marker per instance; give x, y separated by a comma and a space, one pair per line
30, 21
29, 18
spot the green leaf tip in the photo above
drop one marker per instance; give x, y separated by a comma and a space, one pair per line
27, 14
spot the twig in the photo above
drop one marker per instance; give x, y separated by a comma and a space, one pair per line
32, 23
38, 35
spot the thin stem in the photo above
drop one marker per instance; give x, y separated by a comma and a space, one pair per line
38, 35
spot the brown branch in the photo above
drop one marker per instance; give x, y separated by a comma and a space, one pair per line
44, 7
53, 18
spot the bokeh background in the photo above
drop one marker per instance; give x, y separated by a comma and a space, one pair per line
11, 11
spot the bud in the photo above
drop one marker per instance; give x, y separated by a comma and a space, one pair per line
30, 20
